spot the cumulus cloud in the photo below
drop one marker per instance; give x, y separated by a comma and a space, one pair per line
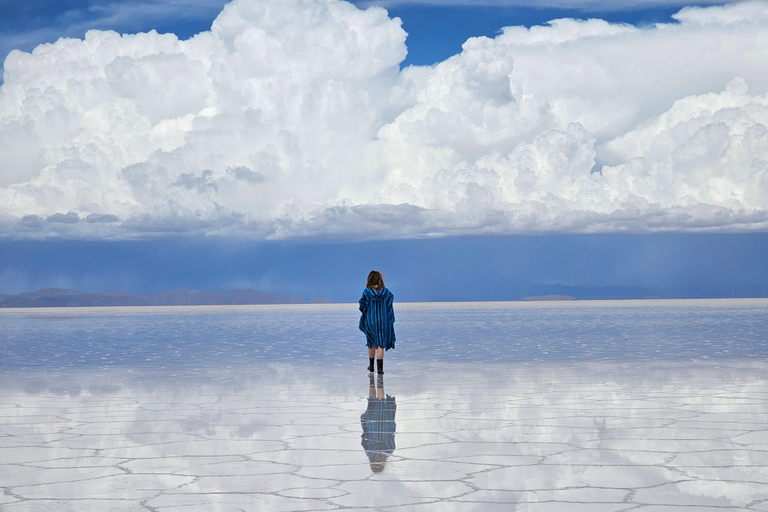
26, 24
293, 118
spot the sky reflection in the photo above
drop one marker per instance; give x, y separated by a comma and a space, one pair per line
468, 436
327, 335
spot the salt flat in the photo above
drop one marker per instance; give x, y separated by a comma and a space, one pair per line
574, 436
242, 409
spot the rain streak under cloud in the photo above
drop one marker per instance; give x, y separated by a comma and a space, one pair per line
292, 118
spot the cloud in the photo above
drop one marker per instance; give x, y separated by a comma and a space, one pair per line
585, 5
69, 218
27, 24
292, 118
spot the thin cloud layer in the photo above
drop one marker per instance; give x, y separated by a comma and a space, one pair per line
292, 118
586, 5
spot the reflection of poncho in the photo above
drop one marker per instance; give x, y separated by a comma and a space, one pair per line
378, 423
377, 320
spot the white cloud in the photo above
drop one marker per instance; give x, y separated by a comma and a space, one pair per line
292, 118
586, 5
40, 23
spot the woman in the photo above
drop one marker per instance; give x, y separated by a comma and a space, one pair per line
377, 319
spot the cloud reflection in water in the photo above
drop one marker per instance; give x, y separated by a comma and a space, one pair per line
469, 437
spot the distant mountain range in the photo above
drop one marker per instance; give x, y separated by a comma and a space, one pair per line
59, 297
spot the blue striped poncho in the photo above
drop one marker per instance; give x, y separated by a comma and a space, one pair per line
379, 426
377, 319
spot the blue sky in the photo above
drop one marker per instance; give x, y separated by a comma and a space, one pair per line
607, 158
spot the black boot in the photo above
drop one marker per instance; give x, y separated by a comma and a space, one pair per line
380, 366
370, 365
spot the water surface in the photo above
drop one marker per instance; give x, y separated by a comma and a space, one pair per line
578, 406
184, 337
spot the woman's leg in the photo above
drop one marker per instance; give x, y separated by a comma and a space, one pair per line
371, 354
380, 360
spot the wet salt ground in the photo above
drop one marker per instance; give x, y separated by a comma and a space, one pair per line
146, 422
583, 436
514, 332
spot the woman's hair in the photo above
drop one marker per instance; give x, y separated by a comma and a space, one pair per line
377, 462
375, 280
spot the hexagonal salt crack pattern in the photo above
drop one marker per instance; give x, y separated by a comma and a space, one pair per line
451, 437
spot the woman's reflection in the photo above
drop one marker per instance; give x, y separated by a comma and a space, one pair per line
378, 422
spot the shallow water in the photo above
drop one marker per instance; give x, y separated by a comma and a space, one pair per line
602, 406
184, 337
